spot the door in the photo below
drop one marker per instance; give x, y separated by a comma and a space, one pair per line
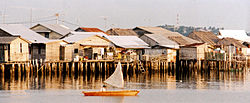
62, 52
2, 53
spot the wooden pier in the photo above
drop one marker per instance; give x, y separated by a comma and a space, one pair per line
108, 66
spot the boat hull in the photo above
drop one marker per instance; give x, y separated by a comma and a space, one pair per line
111, 93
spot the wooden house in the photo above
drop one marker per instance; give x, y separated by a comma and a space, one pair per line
37, 46
55, 50
87, 45
14, 49
204, 36
194, 51
130, 47
233, 47
161, 47
174, 36
51, 31
121, 32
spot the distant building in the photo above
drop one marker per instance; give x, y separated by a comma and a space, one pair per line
121, 32
51, 31
14, 49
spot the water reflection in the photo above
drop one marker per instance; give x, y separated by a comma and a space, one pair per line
168, 80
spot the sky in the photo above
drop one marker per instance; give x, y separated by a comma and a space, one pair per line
105, 14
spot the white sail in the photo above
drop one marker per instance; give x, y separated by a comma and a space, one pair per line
116, 79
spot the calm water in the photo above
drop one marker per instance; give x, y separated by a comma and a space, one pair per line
227, 87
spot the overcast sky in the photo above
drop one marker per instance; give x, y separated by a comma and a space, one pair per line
230, 14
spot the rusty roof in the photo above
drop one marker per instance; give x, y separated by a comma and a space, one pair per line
9, 39
121, 32
193, 45
230, 41
204, 36
90, 30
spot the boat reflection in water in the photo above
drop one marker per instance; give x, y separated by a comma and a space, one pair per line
167, 80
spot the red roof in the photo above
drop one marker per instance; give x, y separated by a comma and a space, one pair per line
92, 30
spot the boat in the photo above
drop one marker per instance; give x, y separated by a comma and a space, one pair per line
116, 80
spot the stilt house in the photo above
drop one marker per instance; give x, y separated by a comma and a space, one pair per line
87, 46
14, 49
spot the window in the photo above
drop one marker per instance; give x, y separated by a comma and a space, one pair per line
21, 48
46, 34
75, 50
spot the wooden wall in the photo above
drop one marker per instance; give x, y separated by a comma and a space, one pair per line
69, 50
190, 53
53, 50
16, 54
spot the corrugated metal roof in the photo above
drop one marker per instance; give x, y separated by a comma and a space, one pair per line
236, 34
193, 45
7, 40
128, 42
154, 30
24, 32
204, 36
91, 29
121, 32
163, 41
60, 29
175, 36
76, 36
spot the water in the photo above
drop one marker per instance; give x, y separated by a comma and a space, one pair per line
220, 87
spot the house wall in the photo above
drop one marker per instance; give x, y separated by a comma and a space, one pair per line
201, 51
52, 34
53, 51
94, 40
16, 54
169, 54
197, 52
188, 53
69, 50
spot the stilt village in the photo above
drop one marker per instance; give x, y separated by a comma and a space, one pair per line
46, 48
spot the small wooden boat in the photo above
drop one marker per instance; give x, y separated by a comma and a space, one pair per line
116, 80
112, 93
